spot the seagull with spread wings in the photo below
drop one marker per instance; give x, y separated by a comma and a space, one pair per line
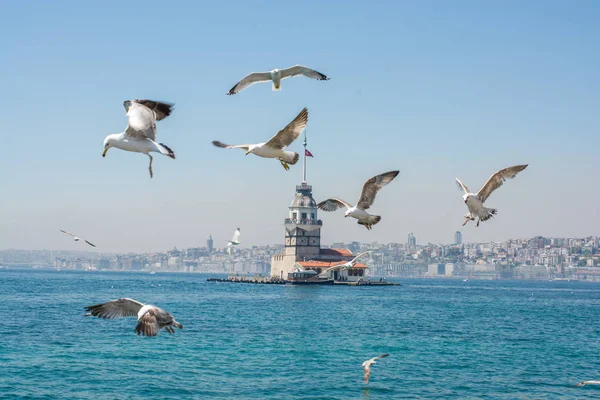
77, 239
151, 319
236, 238
367, 197
274, 148
474, 201
276, 76
140, 135
367, 366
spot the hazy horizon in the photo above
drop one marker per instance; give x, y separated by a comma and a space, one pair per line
436, 90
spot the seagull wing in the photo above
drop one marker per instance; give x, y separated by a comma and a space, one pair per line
68, 233
236, 236
91, 244
141, 121
372, 186
333, 204
290, 133
119, 308
231, 146
359, 256
302, 70
497, 179
372, 360
249, 80
462, 186
148, 325
161, 109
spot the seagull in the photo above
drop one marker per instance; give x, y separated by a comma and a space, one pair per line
367, 197
274, 147
588, 383
276, 76
76, 239
151, 319
140, 135
367, 365
236, 238
474, 201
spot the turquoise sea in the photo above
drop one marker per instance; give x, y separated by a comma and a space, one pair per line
446, 339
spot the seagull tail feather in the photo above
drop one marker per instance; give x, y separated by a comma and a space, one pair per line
166, 150
276, 88
489, 213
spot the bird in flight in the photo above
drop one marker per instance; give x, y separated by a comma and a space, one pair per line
367, 366
236, 238
474, 201
276, 76
151, 319
367, 197
274, 148
77, 239
140, 135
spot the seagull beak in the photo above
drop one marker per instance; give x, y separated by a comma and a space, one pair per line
248, 152
104, 152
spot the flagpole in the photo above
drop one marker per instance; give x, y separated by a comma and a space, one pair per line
304, 172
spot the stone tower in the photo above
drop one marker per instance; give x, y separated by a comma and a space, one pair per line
302, 227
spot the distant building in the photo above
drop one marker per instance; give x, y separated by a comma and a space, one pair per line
210, 243
412, 240
458, 237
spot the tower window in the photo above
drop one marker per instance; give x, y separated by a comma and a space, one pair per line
303, 216
312, 216
294, 216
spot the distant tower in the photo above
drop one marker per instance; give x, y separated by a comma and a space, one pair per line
458, 237
302, 228
412, 240
209, 244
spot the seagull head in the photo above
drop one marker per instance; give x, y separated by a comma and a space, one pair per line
109, 142
127, 104
466, 197
347, 214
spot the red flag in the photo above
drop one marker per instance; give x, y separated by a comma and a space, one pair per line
307, 153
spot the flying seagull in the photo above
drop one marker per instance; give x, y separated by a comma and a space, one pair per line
588, 383
236, 238
140, 135
75, 238
151, 319
276, 76
367, 365
474, 201
367, 197
274, 147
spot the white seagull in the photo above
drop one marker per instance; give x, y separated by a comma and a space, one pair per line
140, 135
151, 319
236, 238
274, 148
76, 239
367, 197
588, 383
276, 76
367, 365
474, 201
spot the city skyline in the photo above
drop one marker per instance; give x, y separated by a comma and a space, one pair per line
455, 90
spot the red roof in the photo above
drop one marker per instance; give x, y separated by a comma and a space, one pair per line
326, 264
336, 252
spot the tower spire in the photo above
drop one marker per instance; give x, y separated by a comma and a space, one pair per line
304, 170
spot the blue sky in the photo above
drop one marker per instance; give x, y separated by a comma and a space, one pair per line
435, 89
